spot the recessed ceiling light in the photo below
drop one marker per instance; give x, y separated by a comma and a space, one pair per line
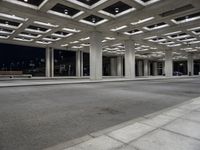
117, 10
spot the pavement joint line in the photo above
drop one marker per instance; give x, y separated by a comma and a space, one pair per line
122, 125
190, 120
161, 125
98, 81
116, 139
180, 134
149, 132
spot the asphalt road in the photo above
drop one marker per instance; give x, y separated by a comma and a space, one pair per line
37, 117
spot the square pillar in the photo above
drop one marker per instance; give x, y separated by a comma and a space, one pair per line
155, 68
96, 56
113, 64
140, 67
49, 62
78, 63
119, 66
168, 63
146, 67
163, 68
129, 59
190, 64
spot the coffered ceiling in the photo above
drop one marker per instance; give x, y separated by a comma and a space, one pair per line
153, 25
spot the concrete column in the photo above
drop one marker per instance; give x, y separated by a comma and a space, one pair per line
113, 64
168, 63
140, 72
78, 63
155, 68
52, 62
190, 64
81, 63
146, 67
129, 59
49, 67
120, 66
163, 68
47, 62
96, 56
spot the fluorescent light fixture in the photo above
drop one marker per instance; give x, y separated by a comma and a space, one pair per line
94, 24
13, 17
142, 21
110, 38
77, 47
145, 46
171, 33
191, 29
151, 37
85, 44
173, 45
133, 33
156, 27
45, 24
166, 43
193, 50
4, 36
64, 45
185, 20
194, 42
74, 42
51, 39
140, 50
6, 32
29, 36
146, 3
71, 30
117, 15
154, 48
23, 39
118, 28
187, 40
10, 26
37, 31
112, 49
118, 44
85, 39
179, 37
61, 35
158, 40
44, 42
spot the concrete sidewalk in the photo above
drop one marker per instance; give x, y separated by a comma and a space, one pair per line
60, 81
177, 128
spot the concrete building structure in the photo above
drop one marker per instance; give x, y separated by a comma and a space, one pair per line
118, 29
143, 43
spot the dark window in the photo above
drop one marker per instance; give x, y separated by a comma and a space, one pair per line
30, 60
64, 63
